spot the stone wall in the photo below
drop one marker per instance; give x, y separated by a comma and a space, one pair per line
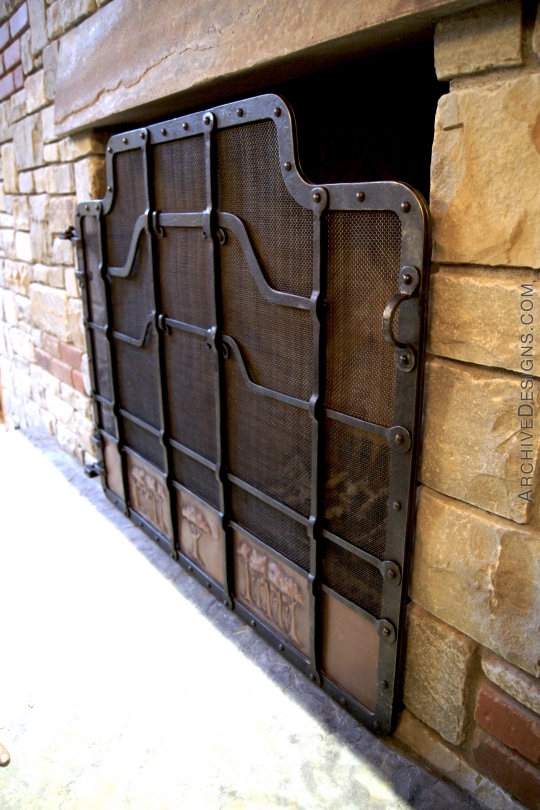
472, 688
43, 361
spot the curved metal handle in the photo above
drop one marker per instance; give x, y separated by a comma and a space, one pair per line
388, 319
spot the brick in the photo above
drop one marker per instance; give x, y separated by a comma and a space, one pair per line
511, 771
43, 359
19, 20
513, 680
71, 355
7, 85
4, 35
508, 721
50, 344
12, 55
38, 25
78, 381
61, 370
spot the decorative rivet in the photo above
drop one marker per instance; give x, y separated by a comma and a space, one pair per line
239, 112
396, 505
407, 278
360, 196
124, 140
281, 648
96, 207
163, 131
207, 119
87, 208
399, 438
109, 188
403, 359
343, 701
405, 207
143, 135
311, 676
391, 574
253, 623
375, 726
190, 568
185, 125
384, 684
225, 602
277, 112
386, 631
156, 538
208, 585
109, 149
287, 166
316, 197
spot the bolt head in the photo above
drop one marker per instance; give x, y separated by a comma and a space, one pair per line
399, 438
87, 208
253, 623
163, 131
375, 726
360, 196
287, 166
407, 278
391, 574
281, 648
404, 360
190, 568
343, 701
396, 505
143, 135
225, 602
109, 188
405, 207
384, 684
109, 149
204, 235
316, 197
208, 585
207, 119
185, 125
277, 112
385, 631
311, 676
239, 112
124, 140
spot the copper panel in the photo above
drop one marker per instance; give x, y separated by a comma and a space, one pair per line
148, 495
350, 651
272, 590
200, 536
113, 467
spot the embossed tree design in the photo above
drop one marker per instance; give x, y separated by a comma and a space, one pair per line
245, 552
197, 526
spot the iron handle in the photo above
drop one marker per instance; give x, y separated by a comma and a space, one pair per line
404, 355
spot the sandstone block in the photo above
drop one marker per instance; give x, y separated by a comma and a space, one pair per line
26, 53
38, 25
61, 370
62, 16
485, 38
26, 183
43, 359
8, 243
508, 721
23, 246
60, 410
472, 441
18, 106
514, 773
36, 96
49, 310
55, 276
50, 344
90, 178
21, 213
75, 317
475, 314
50, 65
479, 573
62, 252
71, 355
16, 277
61, 213
55, 179
513, 680
47, 124
19, 20
22, 345
485, 177
437, 667
28, 142
5, 122
39, 227
450, 763
12, 54
79, 402
51, 153
10, 169
72, 285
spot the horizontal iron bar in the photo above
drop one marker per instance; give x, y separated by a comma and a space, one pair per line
186, 327
141, 423
182, 488
192, 454
265, 546
261, 389
191, 219
356, 608
358, 552
235, 224
103, 400
107, 435
97, 326
140, 225
262, 496
138, 343
369, 427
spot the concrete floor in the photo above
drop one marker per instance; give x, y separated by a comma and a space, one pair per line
125, 685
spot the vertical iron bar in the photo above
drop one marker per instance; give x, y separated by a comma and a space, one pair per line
320, 200
161, 335
209, 229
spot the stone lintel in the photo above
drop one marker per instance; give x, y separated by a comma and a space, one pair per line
169, 58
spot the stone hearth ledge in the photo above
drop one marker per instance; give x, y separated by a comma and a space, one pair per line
205, 52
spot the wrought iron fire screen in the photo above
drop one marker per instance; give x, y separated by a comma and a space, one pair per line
256, 391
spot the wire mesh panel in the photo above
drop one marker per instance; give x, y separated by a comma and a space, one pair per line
257, 348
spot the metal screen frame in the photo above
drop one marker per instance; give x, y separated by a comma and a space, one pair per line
408, 342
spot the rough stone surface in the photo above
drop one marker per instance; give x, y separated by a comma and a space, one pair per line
479, 573
475, 314
472, 437
28, 142
508, 721
449, 762
514, 773
90, 178
167, 53
36, 97
479, 40
437, 666
50, 65
38, 25
48, 310
485, 175
10, 169
513, 680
